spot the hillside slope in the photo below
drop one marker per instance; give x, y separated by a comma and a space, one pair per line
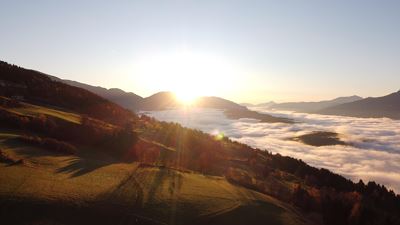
39, 183
38, 88
97, 190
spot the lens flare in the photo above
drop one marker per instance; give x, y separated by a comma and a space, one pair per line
218, 135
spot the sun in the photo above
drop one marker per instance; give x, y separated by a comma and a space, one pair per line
187, 97
188, 73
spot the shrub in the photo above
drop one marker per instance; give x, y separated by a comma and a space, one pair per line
49, 144
6, 158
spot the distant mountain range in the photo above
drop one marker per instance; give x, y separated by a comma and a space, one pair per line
265, 104
127, 100
355, 106
309, 107
386, 106
166, 100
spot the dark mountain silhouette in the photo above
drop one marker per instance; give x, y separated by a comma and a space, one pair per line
266, 104
159, 101
386, 106
218, 103
310, 107
247, 104
127, 100
167, 100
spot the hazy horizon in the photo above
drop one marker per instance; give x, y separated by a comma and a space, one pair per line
72, 152
244, 52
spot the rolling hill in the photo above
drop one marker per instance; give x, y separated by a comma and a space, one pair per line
62, 163
386, 106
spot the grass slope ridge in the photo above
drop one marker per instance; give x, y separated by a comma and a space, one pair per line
125, 194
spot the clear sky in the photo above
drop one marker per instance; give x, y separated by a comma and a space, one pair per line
246, 51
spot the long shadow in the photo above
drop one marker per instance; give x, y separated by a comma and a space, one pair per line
128, 189
80, 166
157, 183
174, 184
77, 166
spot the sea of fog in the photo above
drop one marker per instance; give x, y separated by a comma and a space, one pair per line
374, 153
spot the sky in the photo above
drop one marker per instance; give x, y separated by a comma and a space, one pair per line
245, 51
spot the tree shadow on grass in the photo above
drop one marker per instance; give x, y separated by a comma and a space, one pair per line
80, 166
77, 165
157, 183
171, 176
128, 190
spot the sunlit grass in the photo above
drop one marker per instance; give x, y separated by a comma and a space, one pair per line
150, 191
34, 110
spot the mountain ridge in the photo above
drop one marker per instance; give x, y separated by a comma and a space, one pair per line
128, 100
310, 107
376, 107
166, 100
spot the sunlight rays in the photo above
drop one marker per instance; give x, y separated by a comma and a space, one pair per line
187, 73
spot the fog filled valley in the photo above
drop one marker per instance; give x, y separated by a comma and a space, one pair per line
371, 153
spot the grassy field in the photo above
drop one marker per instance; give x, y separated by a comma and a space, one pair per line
35, 110
83, 185
41, 186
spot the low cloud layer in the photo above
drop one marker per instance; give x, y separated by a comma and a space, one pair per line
374, 153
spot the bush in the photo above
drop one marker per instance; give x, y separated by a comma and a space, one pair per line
49, 144
6, 158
